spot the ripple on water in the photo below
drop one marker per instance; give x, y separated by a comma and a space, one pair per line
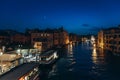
82, 65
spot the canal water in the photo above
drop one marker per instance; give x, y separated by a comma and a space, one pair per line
83, 62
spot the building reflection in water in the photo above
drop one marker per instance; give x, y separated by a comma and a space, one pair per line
98, 55
70, 49
94, 55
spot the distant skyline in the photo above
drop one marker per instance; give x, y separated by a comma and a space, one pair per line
77, 16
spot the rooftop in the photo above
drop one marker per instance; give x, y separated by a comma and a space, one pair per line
9, 57
18, 72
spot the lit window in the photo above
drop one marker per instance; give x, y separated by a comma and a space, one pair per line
44, 34
47, 34
41, 34
22, 78
26, 78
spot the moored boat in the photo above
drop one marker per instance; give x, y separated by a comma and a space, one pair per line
48, 57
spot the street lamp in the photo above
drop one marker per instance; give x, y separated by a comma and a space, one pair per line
1, 53
19, 51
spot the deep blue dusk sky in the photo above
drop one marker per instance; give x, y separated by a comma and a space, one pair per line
79, 16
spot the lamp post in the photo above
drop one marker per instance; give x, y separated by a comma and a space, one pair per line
3, 49
19, 49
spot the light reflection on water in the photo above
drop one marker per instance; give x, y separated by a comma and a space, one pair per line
94, 55
84, 62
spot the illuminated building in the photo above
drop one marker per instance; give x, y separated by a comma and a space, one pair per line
8, 61
100, 39
45, 39
39, 39
20, 38
56, 38
93, 40
42, 39
63, 36
110, 39
73, 38
38, 45
85, 38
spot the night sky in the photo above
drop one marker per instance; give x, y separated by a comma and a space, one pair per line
78, 16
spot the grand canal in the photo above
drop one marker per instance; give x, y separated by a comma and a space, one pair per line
83, 62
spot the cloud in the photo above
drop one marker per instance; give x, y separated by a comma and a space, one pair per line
85, 25
90, 27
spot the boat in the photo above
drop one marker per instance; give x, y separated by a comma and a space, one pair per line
48, 57
25, 71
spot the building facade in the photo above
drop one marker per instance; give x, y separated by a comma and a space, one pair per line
64, 37
56, 37
109, 39
35, 38
20, 38
4, 38
100, 40
42, 40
